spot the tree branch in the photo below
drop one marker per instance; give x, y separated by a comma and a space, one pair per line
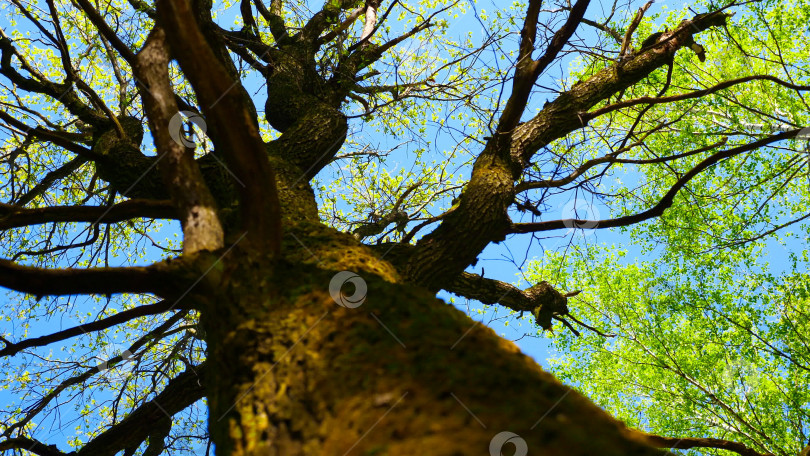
202, 229
613, 33
224, 107
527, 70
353, 16
689, 95
52, 136
64, 93
610, 158
12, 349
542, 300
34, 446
45, 183
451, 247
60, 282
565, 114
274, 20
180, 392
684, 443
320, 20
106, 31
371, 19
663, 204
628, 36
370, 54
12, 216
40, 405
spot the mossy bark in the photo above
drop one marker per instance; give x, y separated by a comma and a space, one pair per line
296, 373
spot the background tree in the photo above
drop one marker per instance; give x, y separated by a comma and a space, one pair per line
103, 108
709, 339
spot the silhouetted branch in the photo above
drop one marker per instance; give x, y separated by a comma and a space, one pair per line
150, 309
12, 216
662, 204
684, 443
60, 282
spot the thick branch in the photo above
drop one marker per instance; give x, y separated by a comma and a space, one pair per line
198, 211
565, 114
274, 20
34, 446
527, 70
452, 246
237, 130
542, 299
60, 282
684, 443
371, 18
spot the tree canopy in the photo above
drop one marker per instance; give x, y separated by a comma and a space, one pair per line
224, 225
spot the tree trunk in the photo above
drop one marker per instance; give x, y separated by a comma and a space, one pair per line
398, 373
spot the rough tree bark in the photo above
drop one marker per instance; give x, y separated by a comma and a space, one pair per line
292, 370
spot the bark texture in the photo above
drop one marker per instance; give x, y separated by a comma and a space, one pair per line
402, 374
